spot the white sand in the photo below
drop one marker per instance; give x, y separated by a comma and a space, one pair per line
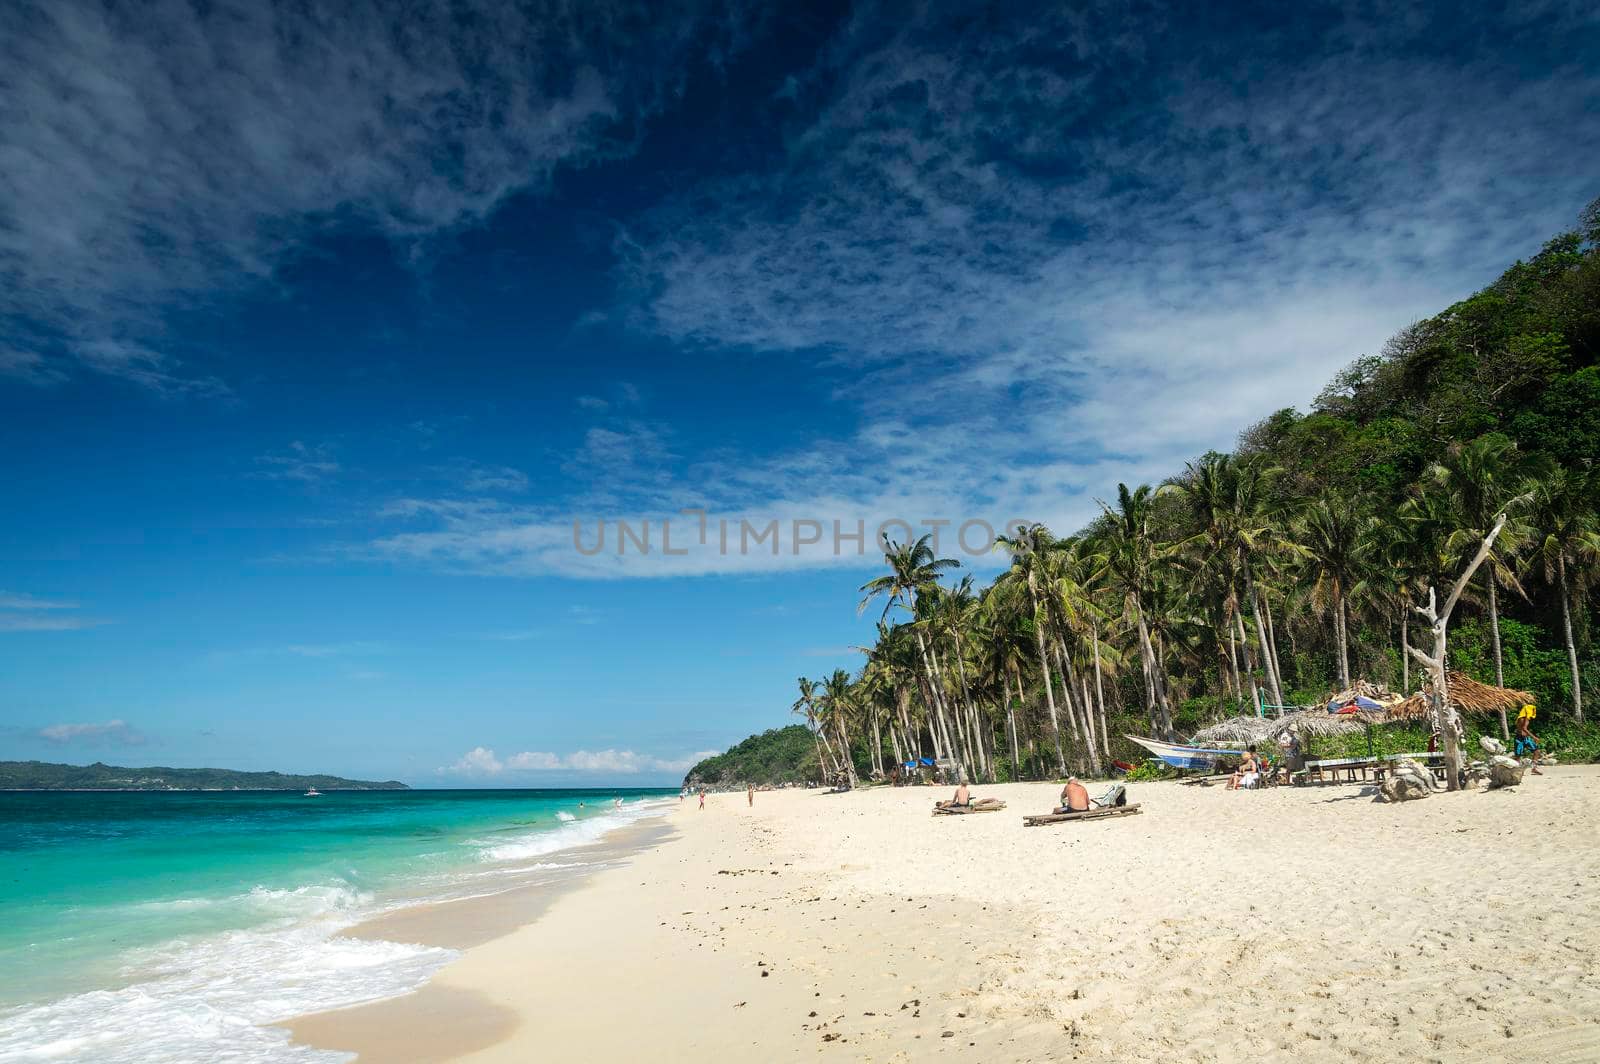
1214, 926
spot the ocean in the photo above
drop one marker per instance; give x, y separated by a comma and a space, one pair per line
171, 925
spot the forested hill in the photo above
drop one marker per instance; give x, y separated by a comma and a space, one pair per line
782, 755
44, 776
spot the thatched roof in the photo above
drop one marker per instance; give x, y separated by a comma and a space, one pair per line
1242, 729
1317, 723
1474, 697
1309, 723
1468, 695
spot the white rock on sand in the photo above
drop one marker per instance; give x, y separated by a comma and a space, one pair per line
1312, 923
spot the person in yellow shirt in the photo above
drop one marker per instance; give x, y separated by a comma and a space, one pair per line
1527, 742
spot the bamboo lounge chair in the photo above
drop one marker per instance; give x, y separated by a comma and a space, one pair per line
979, 805
1087, 814
1112, 803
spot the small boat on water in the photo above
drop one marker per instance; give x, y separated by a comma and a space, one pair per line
313, 793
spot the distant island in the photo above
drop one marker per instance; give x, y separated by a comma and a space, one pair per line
44, 776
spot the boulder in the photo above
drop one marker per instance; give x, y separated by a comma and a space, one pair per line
1407, 781
1491, 745
1504, 771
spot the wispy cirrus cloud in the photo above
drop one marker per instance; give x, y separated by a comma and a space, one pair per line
21, 612
155, 159
302, 462
483, 762
104, 733
1078, 247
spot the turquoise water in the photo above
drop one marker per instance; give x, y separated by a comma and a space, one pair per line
157, 926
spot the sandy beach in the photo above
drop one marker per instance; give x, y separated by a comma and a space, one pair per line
1213, 926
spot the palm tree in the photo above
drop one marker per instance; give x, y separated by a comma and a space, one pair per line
913, 571
1484, 478
806, 705
1027, 549
838, 702
1335, 553
1127, 555
1567, 543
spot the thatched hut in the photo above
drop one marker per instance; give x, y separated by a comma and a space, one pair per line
1467, 695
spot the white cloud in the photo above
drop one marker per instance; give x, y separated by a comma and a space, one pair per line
305, 463
21, 612
479, 761
115, 732
1032, 307
493, 480
482, 761
153, 159
16, 600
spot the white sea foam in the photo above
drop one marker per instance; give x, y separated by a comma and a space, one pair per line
208, 997
569, 833
562, 814
205, 998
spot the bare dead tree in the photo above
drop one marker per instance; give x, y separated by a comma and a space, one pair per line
1446, 721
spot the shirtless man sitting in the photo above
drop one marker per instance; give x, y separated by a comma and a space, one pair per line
1074, 797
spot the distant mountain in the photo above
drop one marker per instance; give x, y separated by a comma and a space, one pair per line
44, 776
782, 755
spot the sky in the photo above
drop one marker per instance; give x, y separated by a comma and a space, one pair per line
350, 356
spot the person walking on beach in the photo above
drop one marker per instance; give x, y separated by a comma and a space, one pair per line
1527, 742
702, 797
750, 794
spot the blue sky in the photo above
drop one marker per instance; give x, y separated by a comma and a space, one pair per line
317, 333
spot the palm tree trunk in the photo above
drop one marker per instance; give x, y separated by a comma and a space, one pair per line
1100, 691
1161, 715
1273, 680
1572, 647
1233, 656
1049, 690
937, 708
1272, 643
1011, 718
1249, 662
1088, 721
1494, 634
972, 714
1341, 636
844, 744
1069, 680
1070, 700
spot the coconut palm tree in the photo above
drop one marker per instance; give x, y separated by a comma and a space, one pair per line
1028, 549
838, 703
1566, 544
1329, 532
1127, 554
806, 705
913, 571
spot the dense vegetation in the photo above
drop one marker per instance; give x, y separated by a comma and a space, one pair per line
782, 755
1281, 571
44, 776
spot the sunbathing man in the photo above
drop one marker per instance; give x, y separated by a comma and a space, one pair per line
1074, 797
962, 799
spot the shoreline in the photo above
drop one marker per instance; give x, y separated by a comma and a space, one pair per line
1214, 926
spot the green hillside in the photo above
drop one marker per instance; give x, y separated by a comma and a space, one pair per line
44, 776
782, 755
